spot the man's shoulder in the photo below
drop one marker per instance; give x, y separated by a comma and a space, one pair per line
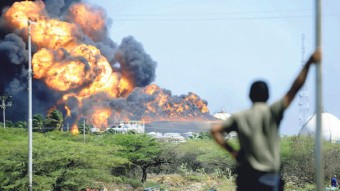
278, 104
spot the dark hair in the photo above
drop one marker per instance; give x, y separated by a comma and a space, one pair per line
259, 92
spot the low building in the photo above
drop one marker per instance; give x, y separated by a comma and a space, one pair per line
168, 137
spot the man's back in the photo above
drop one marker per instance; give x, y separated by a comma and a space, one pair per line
257, 129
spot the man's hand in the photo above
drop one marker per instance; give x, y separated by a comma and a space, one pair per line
316, 56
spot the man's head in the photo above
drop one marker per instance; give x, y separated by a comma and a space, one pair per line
259, 92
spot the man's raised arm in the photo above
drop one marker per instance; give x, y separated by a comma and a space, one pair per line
301, 78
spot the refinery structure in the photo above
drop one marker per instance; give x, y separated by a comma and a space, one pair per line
330, 126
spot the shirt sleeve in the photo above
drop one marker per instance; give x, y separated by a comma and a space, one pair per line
277, 110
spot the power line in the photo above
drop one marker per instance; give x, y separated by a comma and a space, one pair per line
217, 19
221, 13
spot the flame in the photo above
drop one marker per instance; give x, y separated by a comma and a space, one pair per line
124, 87
18, 14
68, 111
75, 130
151, 89
100, 117
62, 70
51, 33
173, 107
198, 102
90, 20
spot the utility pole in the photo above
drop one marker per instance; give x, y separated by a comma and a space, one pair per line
318, 103
84, 129
4, 105
30, 136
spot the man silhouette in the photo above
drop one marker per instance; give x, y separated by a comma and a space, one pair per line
258, 133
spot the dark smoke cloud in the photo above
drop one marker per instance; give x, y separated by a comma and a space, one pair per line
134, 106
12, 49
56, 8
135, 63
13, 57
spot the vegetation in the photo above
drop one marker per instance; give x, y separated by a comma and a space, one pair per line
38, 122
55, 120
140, 150
62, 161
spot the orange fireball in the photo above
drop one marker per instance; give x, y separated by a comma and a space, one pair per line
90, 20
18, 14
100, 117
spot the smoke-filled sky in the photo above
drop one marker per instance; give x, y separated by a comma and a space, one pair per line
164, 60
216, 48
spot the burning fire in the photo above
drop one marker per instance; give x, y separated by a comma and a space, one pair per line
94, 86
68, 111
75, 130
175, 108
100, 117
89, 23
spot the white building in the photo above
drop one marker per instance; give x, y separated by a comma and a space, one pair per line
126, 126
155, 135
168, 137
330, 127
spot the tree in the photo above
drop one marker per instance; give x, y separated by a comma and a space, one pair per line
9, 124
55, 120
332, 155
38, 122
20, 124
82, 125
198, 154
297, 152
141, 150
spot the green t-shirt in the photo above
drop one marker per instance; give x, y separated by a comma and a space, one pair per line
258, 133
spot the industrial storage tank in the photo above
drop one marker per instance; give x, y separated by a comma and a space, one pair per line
330, 127
222, 115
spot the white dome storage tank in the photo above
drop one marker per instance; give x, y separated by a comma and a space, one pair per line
330, 127
222, 115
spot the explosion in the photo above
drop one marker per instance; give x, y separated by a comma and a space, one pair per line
85, 72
